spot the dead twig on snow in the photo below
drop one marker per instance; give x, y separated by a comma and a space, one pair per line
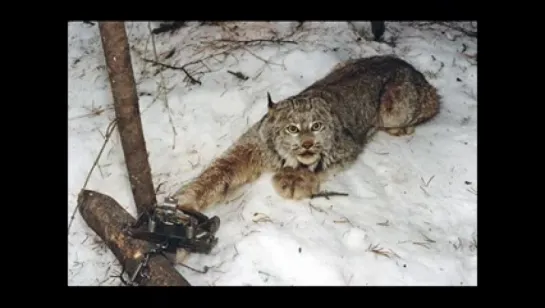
164, 88
109, 132
239, 75
426, 184
172, 67
260, 217
168, 27
388, 253
423, 244
311, 206
248, 42
93, 111
327, 194
460, 29
384, 224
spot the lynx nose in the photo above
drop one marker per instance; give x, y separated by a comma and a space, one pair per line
307, 144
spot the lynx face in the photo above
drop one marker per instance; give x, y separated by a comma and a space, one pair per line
303, 140
300, 129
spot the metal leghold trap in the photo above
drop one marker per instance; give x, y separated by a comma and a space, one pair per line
171, 228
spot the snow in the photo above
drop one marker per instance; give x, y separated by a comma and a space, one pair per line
411, 214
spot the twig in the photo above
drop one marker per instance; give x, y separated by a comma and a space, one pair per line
224, 53
327, 194
311, 206
170, 54
457, 28
180, 68
427, 239
345, 220
267, 62
442, 65
109, 132
203, 271
120, 276
459, 245
165, 27
384, 224
422, 188
267, 275
164, 87
93, 112
388, 253
159, 187
260, 217
426, 184
423, 244
276, 41
239, 75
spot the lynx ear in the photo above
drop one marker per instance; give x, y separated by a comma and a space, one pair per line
270, 102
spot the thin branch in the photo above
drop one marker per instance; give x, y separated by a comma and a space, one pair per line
239, 75
460, 29
164, 87
168, 27
180, 68
246, 42
109, 132
327, 194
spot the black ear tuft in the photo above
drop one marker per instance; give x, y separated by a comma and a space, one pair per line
270, 103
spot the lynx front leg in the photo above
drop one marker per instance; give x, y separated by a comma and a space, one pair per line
240, 165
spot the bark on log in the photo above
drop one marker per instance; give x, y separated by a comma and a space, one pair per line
120, 71
107, 218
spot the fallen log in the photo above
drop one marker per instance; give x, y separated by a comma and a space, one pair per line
108, 219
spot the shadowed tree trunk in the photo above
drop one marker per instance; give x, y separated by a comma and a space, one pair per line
102, 213
378, 28
118, 62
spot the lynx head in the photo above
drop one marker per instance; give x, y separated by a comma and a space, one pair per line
300, 128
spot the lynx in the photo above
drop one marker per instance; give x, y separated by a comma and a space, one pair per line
305, 138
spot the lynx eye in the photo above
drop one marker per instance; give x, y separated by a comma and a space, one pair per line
292, 129
316, 126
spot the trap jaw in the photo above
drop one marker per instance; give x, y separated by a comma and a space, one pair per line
173, 228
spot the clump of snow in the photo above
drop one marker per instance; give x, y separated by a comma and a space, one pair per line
410, 214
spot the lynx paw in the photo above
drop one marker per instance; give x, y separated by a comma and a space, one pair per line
296, 184
187, 202
403, 131
181, 256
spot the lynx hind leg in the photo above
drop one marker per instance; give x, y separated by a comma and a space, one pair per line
403, 105
342, 64
395, 109
296, 184
429, 103
240, 165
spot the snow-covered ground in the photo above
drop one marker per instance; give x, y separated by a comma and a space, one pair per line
411, 214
